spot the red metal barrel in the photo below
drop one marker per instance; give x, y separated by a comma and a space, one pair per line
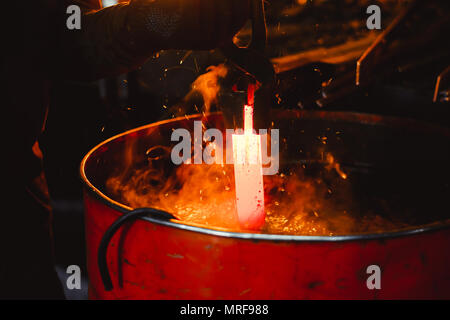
151, 258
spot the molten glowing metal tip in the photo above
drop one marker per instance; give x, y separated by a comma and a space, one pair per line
248, 174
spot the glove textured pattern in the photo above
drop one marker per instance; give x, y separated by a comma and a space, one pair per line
161, 22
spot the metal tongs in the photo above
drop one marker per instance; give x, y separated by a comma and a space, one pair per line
252, 62
251, 59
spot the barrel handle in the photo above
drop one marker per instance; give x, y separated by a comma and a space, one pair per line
103, 247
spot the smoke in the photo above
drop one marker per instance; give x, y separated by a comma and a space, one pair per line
297, 203
208, 85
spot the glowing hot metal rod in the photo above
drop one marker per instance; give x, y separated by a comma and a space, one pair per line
248, 172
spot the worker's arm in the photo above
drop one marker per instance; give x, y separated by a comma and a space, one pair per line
117, 39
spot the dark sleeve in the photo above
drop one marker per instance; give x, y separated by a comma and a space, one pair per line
118, 39
105, 45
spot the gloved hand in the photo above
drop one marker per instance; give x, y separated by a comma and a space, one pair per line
188, 24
